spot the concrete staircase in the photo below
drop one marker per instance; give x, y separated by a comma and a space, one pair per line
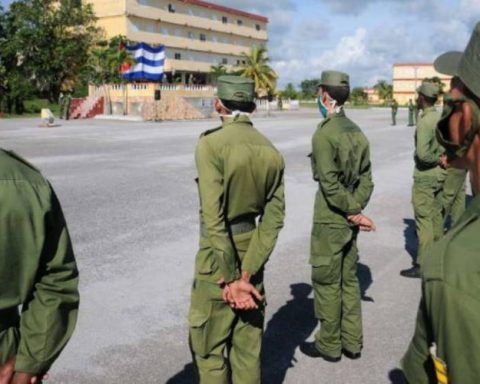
86, 108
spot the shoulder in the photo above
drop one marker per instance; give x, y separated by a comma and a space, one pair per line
15, 167
208, 132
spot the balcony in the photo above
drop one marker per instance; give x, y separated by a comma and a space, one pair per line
152, 13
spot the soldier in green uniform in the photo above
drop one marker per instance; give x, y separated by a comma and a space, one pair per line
446, 345
394, 106
37, 272
410, 113
341, 165
240, 181
428, 177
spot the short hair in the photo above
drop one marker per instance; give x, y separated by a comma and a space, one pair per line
338, 93
242, 106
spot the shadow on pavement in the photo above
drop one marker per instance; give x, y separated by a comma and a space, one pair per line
410, 235
396, 376
187, 376
365, 279
289, 327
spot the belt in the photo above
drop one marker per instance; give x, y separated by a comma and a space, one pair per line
235, 227
9, 318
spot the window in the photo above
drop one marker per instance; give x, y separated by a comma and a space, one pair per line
257, 27
224, 61
239, 22
191, 35
238, 62
171, 8
224, 19
203, 37
164, 31
178, 56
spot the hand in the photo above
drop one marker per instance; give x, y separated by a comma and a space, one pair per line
364, 223
443, 161
27, 378
6, 371
242, 294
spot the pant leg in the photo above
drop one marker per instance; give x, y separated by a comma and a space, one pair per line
211, 321
424, 205
454, 195
327, 251
246, 346
352, 335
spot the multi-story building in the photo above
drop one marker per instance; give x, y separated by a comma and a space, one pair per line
196, 34
408, 77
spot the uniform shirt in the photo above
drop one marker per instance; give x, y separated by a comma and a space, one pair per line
37, 269
427, 148
341, 165
240, 174
449, 313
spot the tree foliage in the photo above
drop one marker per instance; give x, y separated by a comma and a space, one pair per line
436, 80
45, 46
309, 88
289, 92
358, 96
256, 67
384, 90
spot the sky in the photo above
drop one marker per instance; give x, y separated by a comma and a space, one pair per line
361, 37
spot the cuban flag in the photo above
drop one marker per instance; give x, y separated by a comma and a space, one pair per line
149, 63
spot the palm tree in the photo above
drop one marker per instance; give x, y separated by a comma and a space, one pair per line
104, 63
256, 67
216, 71
384, 90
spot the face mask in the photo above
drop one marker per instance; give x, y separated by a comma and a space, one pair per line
453, 150
322, 108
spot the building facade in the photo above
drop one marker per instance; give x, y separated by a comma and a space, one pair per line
408, 77
196, 34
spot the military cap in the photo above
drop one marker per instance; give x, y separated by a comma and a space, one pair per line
429, 89
236, 88
447, 63
469, 65
334, 79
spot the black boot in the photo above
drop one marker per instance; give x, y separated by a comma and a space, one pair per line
311, 350
413, 272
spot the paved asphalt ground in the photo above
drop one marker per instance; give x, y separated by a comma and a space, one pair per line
129, 196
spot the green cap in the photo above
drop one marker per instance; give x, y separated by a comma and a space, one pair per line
469, 65
334, 79
447, 63
429, 89
236, 88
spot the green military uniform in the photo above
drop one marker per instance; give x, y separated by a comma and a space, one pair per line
449, 314
394, 107
37, 269
410, 114
240, 180
446, 345
428, 177
454, 195
341, 166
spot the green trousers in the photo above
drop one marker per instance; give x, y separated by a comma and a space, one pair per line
225, 343
410, 118
454, 194
334, 258
394, 118
428, 210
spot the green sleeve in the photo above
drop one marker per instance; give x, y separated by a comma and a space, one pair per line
426, 148
335, 193
417, 363
365, 185
265, 236
210, 184
49, 316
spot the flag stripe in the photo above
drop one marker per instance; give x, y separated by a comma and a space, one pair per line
149, 62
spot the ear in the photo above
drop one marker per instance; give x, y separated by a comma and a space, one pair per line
218, 106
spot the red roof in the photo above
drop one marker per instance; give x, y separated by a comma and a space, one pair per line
221, 8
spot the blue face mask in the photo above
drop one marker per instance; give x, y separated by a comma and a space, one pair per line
321, 107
